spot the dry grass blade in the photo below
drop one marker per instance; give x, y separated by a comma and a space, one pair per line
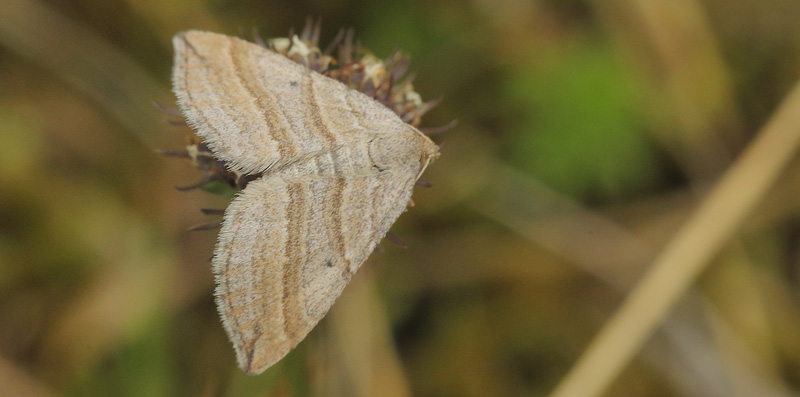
679, 264
365, 350
109, 77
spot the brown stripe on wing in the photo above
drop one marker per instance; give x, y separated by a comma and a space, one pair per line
313, 116
297, 219
279, 129
333, 214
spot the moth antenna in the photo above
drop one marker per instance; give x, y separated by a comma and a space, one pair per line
212, 211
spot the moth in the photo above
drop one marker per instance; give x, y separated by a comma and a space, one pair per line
337, 169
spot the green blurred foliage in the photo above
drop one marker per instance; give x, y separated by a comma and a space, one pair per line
581, 131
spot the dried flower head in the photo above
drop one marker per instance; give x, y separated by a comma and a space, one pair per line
345, 60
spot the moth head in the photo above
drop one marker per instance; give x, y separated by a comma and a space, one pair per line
430, 152
407, 147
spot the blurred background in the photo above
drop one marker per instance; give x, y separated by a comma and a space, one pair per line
588, 132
